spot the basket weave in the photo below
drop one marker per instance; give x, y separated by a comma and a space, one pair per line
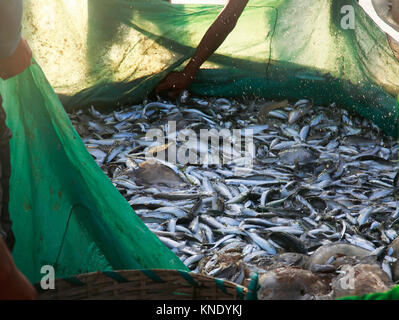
154, 284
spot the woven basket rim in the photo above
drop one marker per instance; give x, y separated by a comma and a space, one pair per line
165, 284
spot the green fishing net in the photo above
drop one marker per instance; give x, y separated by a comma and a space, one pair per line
110, 52
65, 211
392, 294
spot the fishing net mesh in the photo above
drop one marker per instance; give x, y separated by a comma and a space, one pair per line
107, 53
66, 213
114, 52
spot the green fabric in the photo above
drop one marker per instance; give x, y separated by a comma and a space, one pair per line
253, 286
65, 211
240, 292
390, 295
110, 52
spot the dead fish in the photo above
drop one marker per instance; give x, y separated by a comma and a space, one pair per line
172, 225
222, 240
241, 197
380, 194
322, 254
250, 256
176, 196
360, 242
179, 213
259, 221
228, 221
278, 114
358, 141
211, 221
208, 233
269, 106
172, 244
155, 105
262, 243
298, 113
282, 145
303, 134
153, 173
396, 181
288, 242
223, 190
364, 215
297, 155
98, 155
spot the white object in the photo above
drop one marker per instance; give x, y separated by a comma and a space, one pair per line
381, 18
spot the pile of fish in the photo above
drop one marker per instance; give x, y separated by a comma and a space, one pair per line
319, 176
